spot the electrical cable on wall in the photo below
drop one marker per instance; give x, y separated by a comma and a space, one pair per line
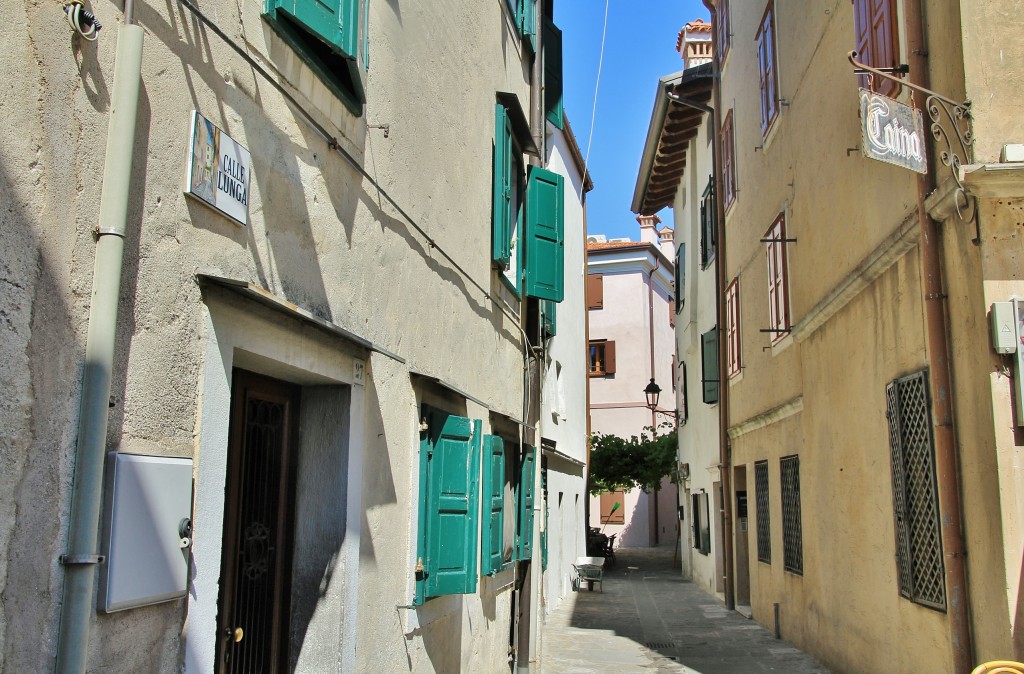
597, 84
83, 21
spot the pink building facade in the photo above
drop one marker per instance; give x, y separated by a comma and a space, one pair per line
631, 340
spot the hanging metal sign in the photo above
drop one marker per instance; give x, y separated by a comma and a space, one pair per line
892, 132
218, 170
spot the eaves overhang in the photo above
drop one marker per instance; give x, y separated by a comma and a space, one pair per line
672, 127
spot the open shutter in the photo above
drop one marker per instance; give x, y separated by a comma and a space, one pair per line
451, 511
609, 357
524, 539
552, 47
502, 197
548, 311
595, 291
709, 355
526, 17
335, 22
545, 235
491, 543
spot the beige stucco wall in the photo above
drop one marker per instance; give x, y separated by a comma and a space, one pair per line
319, 236
856, 300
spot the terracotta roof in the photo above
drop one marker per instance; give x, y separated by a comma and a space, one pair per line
680, 125
617, 244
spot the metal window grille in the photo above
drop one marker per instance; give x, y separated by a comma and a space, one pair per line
915, 492
764, 530
792, 535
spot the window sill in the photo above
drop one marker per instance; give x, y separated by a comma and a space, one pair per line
736, 378
781, 345
773, 128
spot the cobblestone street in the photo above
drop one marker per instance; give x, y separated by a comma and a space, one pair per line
648, 619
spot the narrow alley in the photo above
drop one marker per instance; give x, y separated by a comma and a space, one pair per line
647, 618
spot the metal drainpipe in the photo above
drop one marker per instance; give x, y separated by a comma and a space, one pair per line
80, 571
654, 414
946, 471
723, 390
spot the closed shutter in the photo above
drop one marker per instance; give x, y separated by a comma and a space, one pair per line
709, 356
449, 511
491, 543
502, 197
552, 47
526, 17
545, 235
336, 22
524, 539
595, 291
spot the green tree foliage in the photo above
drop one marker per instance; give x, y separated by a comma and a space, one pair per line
637, 463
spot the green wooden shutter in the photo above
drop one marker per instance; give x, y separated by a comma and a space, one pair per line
336, 22
709, 355
545, 234
502, 197
552, 47
524, 538
526, 17
449, 505
492, 524
548, 313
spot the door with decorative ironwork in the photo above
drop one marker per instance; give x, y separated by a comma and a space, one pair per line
256, 562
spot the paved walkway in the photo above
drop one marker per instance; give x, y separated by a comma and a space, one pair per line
650, 620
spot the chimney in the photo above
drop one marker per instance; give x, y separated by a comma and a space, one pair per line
668, 245
648, 228
694, 43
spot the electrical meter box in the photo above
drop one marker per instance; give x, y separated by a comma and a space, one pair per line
147, 532
1004, 327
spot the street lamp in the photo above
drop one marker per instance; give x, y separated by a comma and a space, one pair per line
653, 392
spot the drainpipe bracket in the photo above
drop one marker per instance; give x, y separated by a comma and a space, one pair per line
70, 560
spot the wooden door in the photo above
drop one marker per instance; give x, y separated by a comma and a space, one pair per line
254, 599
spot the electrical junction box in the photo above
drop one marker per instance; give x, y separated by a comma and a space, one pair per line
147, 534
1004, 327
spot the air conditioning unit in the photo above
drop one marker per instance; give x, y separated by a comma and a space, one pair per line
684, 471
623, 239
596, 238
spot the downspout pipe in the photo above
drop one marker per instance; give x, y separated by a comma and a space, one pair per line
76, 611
654, 413
946, 469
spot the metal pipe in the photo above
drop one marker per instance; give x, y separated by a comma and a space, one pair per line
87, 489
654, 413
947, 473
778, 631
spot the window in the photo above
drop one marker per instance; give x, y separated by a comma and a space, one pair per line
675, 375
552, 48
671, 312
768, 74
708, 230
709, 360
595, 291
329, 36
613, 507
722, 37
728, 161
492, 544
548, 318
508, 190
764, 529
778, 280
701, 523
732, 327
792, 534
602, 358
919, 564
877, 40
680, 269
448, 509
684, 406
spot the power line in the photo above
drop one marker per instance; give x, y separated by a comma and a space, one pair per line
597, 84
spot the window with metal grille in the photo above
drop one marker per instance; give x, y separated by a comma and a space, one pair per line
792, 534
915, 492
764, 523
722, 37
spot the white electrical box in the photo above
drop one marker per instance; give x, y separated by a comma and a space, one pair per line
1004, 327
147, 535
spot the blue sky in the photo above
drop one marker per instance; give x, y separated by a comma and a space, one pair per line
639, 48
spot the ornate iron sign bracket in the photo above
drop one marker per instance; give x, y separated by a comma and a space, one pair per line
952, 129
